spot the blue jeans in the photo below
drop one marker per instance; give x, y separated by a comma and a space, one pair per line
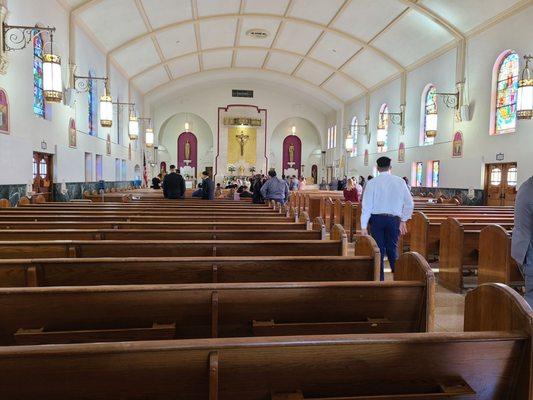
386, 230
527, 269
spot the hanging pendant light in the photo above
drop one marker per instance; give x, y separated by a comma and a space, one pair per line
381, 135
52, 76
293, 130
431, 125
52, 80
133, 127
106, 109
525, 93
149, 137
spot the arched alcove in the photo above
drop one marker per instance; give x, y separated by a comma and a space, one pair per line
311, 145
191, 126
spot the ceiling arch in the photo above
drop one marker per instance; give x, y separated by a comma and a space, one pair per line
340, 46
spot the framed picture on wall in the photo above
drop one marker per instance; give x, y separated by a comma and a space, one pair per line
457, 145
108, 145
129, 151
366, 157
72, 133
4, 112
401, 153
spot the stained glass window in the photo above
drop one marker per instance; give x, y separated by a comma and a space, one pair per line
354, 133
329, 138
38, 95
430, 115
506, 93
435, 174
419, 173
91, 105
334, 136
383, 128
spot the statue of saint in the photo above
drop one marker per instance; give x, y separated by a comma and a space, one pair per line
187, 150
291, 153
242, 139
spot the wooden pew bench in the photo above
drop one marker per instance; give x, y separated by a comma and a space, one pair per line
337, 246
459, 252
491, 360
154, 312
425, 230
224, 226
495, 261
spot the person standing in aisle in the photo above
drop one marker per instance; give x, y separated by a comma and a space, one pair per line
387, 206
522, 239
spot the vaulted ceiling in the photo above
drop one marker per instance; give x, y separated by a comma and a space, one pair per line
341, 47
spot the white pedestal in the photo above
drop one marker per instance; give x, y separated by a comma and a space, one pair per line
290, 172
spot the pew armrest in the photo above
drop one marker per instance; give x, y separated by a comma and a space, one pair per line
319, 226
366, 246
411, 266
41, 336
339, 234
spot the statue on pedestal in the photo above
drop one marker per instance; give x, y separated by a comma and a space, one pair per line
187, 150
291, 153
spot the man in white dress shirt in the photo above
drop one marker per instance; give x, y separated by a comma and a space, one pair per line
387, 205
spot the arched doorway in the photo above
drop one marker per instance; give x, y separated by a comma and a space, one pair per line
292, 155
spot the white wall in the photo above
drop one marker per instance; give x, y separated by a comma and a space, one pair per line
27, 131
479, 148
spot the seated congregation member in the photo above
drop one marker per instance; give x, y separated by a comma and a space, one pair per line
275, 189
156, 182
245, 193
198, 192
173, 185
334, 184
522, 239
257, 184
303, 183
350, 192
387, 205
208, 187
293, 183
218, 191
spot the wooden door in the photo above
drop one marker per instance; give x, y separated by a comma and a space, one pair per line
42, 175
500, 186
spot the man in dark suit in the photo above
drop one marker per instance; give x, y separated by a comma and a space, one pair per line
522, 239
173, 185
208, 187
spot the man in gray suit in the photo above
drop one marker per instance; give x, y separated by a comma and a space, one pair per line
522, 242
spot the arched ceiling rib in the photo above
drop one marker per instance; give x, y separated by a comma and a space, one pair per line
336, 45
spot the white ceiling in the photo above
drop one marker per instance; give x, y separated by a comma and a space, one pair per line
341, 47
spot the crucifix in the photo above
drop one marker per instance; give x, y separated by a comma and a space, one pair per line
242, 139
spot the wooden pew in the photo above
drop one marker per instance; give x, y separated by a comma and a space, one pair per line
425, 230
459, 251
491, 360
224, 226
162, 234
495, 261
338, 245
154, 312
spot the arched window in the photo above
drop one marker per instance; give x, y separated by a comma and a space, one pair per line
38, 95
505, 91
383, 128
354, 134
429, 123
91, 93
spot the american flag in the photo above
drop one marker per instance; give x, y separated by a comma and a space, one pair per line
145, 171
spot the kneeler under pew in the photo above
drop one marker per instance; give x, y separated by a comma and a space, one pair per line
491, 360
